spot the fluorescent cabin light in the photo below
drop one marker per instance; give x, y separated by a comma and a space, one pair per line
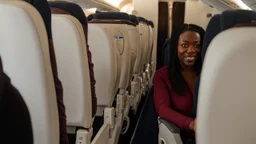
242, 4
91, 10
114, 3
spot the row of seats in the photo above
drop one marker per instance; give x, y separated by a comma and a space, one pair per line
48, 59
126, 60
225, 88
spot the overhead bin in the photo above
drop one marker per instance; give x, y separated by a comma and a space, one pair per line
93, 3
221, 5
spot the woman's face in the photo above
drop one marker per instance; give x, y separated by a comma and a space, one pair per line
189, 48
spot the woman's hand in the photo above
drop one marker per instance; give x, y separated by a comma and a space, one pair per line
195, 125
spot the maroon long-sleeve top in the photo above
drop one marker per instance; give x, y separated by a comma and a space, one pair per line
170, 105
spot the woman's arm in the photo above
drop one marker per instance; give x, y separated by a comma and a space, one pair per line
163, 105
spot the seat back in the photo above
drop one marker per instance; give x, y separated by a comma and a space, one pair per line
135, 48
120, 22
76, 11
43, 8
136, 41
226, 99
71, 55
145, 38
107, 60
27, 43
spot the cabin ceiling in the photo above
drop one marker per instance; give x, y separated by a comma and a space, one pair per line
250, 3
115, 4
102, 5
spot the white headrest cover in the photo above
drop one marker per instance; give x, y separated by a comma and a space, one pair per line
71, 56
226, 108
25, 53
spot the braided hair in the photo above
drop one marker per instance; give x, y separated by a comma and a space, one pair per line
177, 80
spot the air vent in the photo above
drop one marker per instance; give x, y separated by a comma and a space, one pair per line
230, 3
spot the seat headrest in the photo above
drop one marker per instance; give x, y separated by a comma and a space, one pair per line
90, 17
234, 17
112, 15
134, 19
141, 19
72, 8
225, 21
212, 30
151, 24
43, 8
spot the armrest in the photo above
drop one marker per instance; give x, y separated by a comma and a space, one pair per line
172, 127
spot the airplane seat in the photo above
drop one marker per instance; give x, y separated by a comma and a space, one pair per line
25, 47
212, 30
136, 83
119, 22
226, 102
106, 57
13, 110
123, 18
112, 56
169, 132
69, 27
145, 42
117, 26
43, 7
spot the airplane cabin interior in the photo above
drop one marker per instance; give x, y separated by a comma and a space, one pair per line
86, 71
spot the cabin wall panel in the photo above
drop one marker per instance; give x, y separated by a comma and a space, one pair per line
196, 13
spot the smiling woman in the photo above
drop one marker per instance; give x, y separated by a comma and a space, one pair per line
173, 85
